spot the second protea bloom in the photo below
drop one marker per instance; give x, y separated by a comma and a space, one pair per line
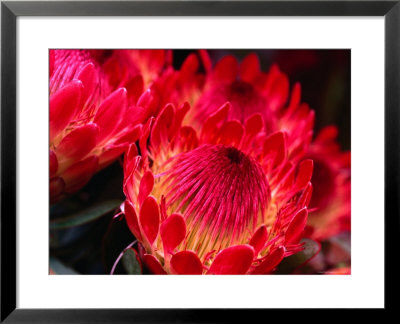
332, 201
225, 200
89, 124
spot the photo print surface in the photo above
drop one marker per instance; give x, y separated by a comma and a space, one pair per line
200, 161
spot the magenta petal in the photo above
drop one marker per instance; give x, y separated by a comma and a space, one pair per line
259, 238
275, 145
150, 218
270, 262
132, 220
53, 163
159, 133
89, 79
296, 227
250, 67
186, 263
211, 123
189, 68
110, 113
304, 173
51, 62
173, 231
146, 186
254, 125
153, 264
233, 260
231, 133
110, 154
226, 69
78, 143
80, 173
63, 106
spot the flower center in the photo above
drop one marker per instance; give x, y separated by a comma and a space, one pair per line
222, 193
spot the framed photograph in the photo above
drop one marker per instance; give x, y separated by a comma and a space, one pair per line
179, 155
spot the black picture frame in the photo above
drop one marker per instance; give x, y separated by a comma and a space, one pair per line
10, 10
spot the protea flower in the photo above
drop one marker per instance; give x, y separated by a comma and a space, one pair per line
224, 200
136, 70
331, 199
249, 90
90, 121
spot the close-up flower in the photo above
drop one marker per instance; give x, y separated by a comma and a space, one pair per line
249, 90
199, 161
331, 203
225, 200
91, 123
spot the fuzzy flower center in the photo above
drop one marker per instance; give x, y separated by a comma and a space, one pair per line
222, 193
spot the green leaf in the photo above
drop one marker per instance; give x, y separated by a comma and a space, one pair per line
131, 262
85, 216
289, 264
58, 268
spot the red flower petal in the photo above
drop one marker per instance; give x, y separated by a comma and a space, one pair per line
205, 59
259, 238
226, 69
110, 153
210, 125
186, 263
327, 134
134, 87
295, 99
153, 264
304, 174
277, 88
132, 220
150, 218
63, 106
296, 227
78, 143
110, 113
270, 262
254, 125
249, 68
144, 137
129, 135
146, 186
89, 79
159, 133
233, 260
53, 163
188, 68
231, 133
188, 139
179, 115
173, 231
129, 159
80, 173
275, 145
51, 62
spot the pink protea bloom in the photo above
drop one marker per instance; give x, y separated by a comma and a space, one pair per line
89, 127
224, 200
331, 201
250, 90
